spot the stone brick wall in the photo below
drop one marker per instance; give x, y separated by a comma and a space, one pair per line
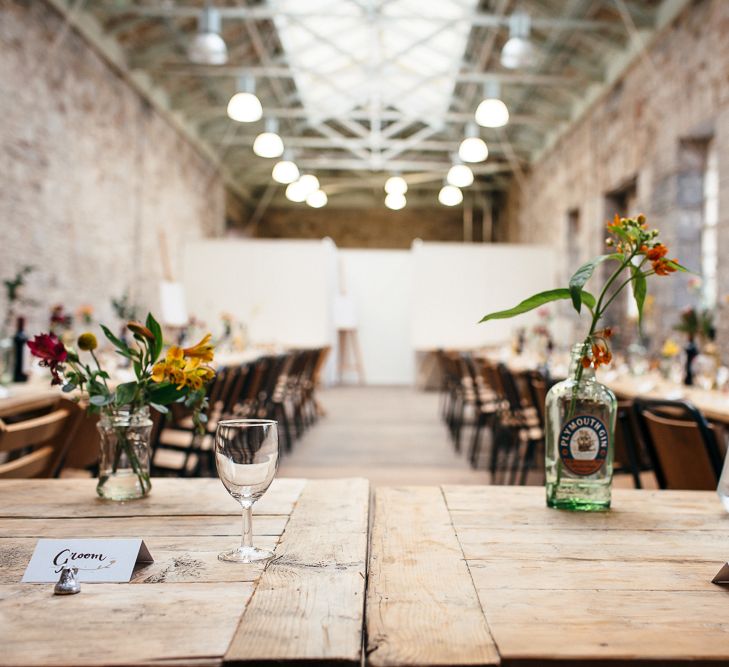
645, 130
90, 173
376, 227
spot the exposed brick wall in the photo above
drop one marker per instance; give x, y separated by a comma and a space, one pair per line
364, 227
90, 172
641, 129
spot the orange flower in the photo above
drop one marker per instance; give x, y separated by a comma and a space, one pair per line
656, 252
202, 350
601, 354
663, 267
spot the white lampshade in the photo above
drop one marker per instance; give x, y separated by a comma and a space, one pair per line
268, 144
492, 112
518, 52
460, 175
285, 171
317, 199
473, 149
245, 108
450, 195
395, 201
308, 183
396, 185
295, 192
208, 47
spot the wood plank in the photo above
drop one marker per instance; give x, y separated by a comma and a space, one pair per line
599, 627
422, 608
309, 603
169, 497
144, 527
624, 545
114, 624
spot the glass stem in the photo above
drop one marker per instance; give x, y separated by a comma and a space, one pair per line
246, 540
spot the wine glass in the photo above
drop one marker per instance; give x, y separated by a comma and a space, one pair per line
246, 455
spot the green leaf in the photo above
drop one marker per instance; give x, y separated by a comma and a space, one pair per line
100, 400
677, 266
531, 303
68, 388
640, 287
121, 346
156, 329
125, 393
583, 274
164, 394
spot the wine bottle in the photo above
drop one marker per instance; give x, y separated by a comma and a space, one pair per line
20, 341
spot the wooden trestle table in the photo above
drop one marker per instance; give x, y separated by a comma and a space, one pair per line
451, 575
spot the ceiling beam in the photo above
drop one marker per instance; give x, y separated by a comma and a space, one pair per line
280, 72
481, 19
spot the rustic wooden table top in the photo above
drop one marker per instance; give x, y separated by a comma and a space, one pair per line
486, 575
458, 575
187, 607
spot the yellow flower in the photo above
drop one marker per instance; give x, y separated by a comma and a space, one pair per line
202, 350
159, 371
87, 342
175, 353
670, 349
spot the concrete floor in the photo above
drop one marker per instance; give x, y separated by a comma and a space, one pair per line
391, 435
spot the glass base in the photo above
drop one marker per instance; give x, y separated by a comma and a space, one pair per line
121, 486
578, 504
245, 555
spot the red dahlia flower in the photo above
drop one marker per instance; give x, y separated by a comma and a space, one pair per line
51, 353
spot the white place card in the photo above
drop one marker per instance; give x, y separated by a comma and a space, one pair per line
722, 576
100, 561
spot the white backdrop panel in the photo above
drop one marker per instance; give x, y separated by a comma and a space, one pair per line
282, 290
380, 282
456, 284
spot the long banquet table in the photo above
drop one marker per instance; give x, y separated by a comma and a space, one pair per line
452, 575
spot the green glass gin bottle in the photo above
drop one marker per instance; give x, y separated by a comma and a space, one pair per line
580, 427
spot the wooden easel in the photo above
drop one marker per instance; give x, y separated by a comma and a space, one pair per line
348, 342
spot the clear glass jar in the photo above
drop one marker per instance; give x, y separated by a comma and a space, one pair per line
580, 427
7, 360
125, 454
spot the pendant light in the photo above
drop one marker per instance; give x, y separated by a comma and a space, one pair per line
285, 171
308, 183
395, 201
518, 51
492, 111
296, 193
208, 47
450, 195
268, 143
473, 148
244, 106
317, 199
460, 175
396, 185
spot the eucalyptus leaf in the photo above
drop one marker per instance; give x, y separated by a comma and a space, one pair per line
100, 400
535, 301
68, 388
160, 408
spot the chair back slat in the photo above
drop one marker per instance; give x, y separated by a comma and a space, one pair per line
31, 444
681, 444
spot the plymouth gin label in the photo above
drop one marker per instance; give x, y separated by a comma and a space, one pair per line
583, 445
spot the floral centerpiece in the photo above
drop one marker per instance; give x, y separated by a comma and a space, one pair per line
125, 425
580, 412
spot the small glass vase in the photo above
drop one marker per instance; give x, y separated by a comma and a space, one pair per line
580, 427
125, 454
